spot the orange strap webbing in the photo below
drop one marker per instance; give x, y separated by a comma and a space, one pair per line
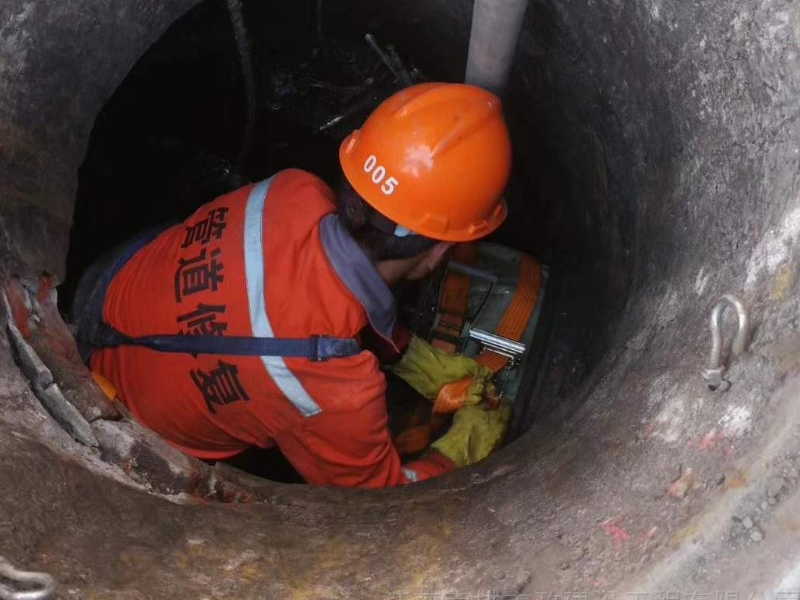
515, 320
454, 300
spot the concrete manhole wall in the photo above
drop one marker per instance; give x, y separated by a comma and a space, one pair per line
676, 127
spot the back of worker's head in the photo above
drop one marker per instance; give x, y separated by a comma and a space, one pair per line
381, 238
429, 164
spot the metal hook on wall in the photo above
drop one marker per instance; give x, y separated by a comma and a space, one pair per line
716, 368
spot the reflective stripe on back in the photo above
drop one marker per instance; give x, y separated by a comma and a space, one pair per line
254, 272
410, 474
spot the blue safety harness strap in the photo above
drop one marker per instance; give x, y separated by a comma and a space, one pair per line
316, 348
94, 332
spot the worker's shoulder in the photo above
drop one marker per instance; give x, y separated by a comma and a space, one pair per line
300, 178
300, 196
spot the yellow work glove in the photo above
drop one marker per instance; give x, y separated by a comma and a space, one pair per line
428, 370
476, 431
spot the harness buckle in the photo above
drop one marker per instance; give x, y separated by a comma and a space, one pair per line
316, 354
325, 347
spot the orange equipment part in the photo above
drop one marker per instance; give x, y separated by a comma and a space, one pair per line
108, 388
434, 158
451, 397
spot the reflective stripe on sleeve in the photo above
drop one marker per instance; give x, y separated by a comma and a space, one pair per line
254, 273
410, 474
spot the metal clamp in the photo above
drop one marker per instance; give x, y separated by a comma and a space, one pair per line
498, 344
458, 267
716, 368
45, 583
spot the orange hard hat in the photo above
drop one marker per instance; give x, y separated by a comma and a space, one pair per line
434, 158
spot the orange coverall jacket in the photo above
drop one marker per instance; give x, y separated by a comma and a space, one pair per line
269, 260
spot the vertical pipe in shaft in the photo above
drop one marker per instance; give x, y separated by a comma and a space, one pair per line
495, 29
246, 62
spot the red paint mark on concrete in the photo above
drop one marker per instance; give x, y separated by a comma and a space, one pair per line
728, 450
710, 440
46, 285
617, 533
19, 311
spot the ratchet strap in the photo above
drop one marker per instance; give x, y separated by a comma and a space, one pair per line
518, 314
453, 306
454, 302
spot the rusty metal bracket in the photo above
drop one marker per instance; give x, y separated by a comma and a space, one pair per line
713, 374
45, 584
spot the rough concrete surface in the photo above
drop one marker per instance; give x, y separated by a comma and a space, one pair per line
657, 168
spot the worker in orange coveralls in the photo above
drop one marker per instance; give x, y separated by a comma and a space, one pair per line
241, 326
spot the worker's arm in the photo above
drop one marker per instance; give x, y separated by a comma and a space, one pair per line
353, 448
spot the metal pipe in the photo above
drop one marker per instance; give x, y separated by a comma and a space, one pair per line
391, 60
400, 67
319, 23
495, 30
236, 15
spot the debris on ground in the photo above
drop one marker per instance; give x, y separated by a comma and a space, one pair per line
775, 486
682, 484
